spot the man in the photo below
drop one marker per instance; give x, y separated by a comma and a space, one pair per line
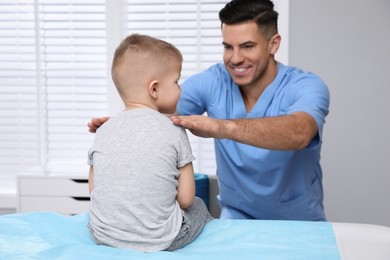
266, 118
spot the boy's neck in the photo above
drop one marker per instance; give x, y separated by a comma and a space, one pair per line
134, 105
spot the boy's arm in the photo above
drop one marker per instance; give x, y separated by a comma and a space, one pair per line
186, 186
90, 179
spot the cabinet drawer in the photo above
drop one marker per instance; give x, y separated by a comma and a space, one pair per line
62, 205
54, 186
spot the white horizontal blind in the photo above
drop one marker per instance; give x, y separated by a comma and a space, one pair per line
19, 110
72, 45
194, 28
53, 80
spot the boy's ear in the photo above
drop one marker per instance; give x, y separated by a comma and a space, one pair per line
153, 89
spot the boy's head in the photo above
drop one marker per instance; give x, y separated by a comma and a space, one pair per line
146, 69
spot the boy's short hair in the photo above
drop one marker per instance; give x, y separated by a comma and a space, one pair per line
146, 49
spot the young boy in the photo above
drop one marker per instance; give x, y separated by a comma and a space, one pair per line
141, 175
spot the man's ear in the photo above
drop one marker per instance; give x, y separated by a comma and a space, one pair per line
274, 44
153, 89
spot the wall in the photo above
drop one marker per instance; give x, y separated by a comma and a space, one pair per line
347, 43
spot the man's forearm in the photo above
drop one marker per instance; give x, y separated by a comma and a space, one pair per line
290, 132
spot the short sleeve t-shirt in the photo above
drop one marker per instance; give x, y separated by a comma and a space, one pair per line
136, 156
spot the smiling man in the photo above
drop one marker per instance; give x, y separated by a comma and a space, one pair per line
267, 120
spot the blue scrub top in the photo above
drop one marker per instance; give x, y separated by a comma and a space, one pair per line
264, 184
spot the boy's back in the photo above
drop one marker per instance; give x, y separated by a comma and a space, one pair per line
136, 156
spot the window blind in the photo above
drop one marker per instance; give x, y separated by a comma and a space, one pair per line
53, 80
72, 47
19, 131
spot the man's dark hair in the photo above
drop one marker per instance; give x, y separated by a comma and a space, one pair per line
259, 11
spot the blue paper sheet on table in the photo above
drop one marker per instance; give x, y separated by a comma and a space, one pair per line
47, 235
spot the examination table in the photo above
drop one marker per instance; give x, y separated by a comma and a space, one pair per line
48, 235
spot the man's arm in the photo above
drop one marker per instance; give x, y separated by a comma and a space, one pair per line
95, 123
289, 132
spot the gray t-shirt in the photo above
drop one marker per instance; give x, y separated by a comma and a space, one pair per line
136, 156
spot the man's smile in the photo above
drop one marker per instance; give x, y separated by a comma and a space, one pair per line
240, 70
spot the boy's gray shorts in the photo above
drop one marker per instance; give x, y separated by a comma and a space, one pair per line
195, 217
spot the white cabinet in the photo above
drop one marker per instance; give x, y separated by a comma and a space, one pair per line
62, 194
69, 195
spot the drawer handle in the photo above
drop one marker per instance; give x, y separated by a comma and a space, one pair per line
80, 180
81, 198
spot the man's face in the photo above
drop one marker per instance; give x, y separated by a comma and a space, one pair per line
246, 54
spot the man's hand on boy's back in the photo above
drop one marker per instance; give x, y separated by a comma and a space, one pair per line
95, 123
